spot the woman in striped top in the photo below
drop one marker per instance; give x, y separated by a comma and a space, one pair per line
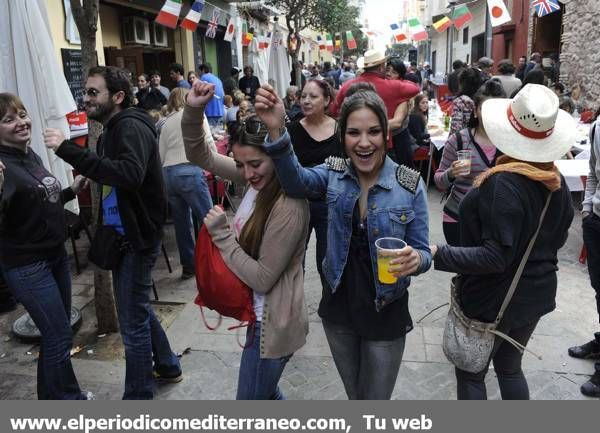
473, 138
463, 106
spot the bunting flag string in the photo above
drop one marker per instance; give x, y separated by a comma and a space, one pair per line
191, 20
399, 35
211, 27
171, 9
442, 24
461, 16
545, 7
169, 13
498, 12
350, 40
417, 31
230, 30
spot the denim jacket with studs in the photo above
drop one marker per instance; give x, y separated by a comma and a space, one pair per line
397, 207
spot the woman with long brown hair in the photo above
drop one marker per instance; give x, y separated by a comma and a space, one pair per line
264, 246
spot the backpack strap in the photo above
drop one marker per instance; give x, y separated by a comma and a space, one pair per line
408, 178
336, 163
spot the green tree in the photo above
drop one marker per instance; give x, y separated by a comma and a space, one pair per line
85, 13
316, 14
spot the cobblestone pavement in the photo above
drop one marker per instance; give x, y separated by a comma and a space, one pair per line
211, 358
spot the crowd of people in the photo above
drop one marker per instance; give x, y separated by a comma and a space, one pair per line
333, 155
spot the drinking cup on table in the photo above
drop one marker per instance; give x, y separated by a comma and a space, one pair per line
464, 156
387, 249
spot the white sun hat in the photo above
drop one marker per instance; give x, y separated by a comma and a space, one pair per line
371, 58
530, 127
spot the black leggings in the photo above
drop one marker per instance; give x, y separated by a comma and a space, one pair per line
507, 364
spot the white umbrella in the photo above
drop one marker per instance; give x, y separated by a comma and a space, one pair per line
29, 68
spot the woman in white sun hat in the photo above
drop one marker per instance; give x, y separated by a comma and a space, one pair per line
498, 219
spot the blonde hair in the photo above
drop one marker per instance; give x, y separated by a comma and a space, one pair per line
155, 114
176, 100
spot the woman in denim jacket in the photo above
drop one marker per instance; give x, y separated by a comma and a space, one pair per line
369, 197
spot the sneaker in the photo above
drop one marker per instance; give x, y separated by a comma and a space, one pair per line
589, 350
89, 395
592, 387
162, 378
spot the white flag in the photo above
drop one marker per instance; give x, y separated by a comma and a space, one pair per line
230, 30
498, 12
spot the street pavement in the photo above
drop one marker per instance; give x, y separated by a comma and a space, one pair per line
210, 359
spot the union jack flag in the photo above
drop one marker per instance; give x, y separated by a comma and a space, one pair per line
211, 27
545, 7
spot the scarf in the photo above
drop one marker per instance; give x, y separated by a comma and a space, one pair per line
544, 172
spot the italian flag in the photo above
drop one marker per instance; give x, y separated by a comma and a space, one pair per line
417, 31
169, 13
329, 42
461, 16
350, 40
321, 43
191, 20
442, 25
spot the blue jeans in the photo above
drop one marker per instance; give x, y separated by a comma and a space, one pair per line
368, 368
259, 377
44, 289
144, 339
186, 186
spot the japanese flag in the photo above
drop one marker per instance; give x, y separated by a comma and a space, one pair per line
498, 12
230, 30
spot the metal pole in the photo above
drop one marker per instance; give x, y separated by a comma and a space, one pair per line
488, 34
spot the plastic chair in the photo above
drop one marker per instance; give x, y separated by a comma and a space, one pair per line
422, 155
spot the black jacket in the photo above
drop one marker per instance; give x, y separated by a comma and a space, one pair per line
128, 160
32, 219
497, 221
150, 99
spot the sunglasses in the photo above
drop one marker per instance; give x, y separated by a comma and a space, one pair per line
92, 93
252, 126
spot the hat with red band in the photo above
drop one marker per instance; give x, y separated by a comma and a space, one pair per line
530, 127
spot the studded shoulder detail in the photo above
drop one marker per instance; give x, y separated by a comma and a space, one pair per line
336, 163
408, 178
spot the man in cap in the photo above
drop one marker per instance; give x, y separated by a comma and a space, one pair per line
485, 65
393, 92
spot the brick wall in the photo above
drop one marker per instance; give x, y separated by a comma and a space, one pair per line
580, 53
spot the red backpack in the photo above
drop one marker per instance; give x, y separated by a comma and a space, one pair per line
218, 288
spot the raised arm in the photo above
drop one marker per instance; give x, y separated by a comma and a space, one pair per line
196, 139
399, 116
296, 180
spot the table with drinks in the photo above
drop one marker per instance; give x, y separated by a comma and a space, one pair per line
438, 126
575, 171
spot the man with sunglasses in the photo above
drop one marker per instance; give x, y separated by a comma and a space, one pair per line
134, 203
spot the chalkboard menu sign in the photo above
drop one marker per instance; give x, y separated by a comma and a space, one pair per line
72, 68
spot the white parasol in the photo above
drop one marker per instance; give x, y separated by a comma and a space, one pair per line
29, 68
